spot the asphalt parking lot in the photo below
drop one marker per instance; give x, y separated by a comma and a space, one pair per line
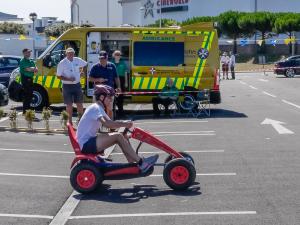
247, 169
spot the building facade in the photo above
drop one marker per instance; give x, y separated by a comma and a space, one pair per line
143, 12
101, 13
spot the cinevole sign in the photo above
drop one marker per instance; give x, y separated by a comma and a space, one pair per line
172, 5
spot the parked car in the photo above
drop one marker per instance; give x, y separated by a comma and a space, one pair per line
7, 64
3, 95
288, 67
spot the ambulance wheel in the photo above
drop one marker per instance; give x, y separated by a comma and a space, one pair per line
85, 178
179, 174
187, 156
39, 98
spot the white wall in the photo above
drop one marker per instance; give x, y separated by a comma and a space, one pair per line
131, 13
279, 5
95, 12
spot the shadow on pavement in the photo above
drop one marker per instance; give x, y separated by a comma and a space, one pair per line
135, 194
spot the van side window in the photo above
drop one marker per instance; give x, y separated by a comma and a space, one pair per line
58, 52
158, 53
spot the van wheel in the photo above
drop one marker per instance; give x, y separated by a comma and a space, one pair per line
290, 72
39, 98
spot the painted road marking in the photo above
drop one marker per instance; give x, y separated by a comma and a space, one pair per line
69, 152
290, 103
252, 87
263, 80
200, 151
67, 177
164, 214
67, 209
277, 125
6, 118
30, 150
26, 216
173, 121
242, 82
266, 93
181, 134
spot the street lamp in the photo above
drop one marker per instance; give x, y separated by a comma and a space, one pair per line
33, 17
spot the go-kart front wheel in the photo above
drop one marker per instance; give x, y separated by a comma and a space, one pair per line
179, 174
85, 178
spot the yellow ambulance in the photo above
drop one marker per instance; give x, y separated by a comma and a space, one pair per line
189, 55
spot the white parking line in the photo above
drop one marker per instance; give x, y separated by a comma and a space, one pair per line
31, 150
164, 214
6, 118
67, 177
266, 93
67, 209
252, 87
263, 80
172, 122
69, 152
26, 216
290, 103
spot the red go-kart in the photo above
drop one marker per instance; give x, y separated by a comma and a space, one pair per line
89, 170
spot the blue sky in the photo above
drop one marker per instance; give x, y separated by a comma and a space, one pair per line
44, 8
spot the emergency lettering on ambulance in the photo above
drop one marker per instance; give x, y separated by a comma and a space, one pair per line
188, 55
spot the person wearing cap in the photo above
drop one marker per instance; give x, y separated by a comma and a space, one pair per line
94, 116
68, 70
121, 71
27, 70
105, 72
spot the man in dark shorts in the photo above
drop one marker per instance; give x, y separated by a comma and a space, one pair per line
90, 142
68, 70
105, 72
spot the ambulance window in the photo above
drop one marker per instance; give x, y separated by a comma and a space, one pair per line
158, 53
58, 52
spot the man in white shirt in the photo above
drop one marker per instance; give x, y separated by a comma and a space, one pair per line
225, 64
68, 70
232, 65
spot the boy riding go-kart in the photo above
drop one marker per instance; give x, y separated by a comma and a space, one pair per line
91, 169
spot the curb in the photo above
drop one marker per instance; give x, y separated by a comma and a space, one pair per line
34, 131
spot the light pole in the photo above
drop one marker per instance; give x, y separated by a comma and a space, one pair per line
107, 13
33, 17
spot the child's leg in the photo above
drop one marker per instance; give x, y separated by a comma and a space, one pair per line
106, 140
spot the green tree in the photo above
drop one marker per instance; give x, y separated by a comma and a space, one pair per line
58, 29
12, 28
228, 24
164, 23
287, 23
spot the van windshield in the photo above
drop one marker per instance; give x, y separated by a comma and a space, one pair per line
158, 53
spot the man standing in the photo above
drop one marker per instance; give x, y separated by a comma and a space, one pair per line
68, 70
27, 70
225, 64
105, 72
232, 65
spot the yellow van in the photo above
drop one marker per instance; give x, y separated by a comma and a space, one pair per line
188, 54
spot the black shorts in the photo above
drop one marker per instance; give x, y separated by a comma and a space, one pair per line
90, 147
72, 93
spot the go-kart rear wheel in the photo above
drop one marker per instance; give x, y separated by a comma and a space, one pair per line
187, 156
179, 174
85, 178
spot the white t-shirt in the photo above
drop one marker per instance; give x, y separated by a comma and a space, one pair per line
225, 60
70, 69
90, 123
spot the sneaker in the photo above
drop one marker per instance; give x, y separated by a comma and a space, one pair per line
148, 163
